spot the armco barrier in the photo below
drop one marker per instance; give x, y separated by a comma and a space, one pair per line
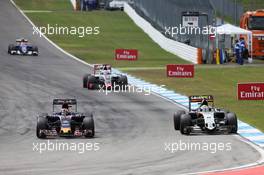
184, 51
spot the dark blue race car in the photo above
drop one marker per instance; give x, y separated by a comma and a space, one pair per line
22, 48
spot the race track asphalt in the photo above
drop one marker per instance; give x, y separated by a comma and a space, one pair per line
131, 128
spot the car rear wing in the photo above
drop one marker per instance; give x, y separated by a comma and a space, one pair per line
99, 67
63, 101
199, 99
20, 40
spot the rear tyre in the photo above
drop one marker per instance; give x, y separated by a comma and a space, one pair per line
41, 124
232, 122
185, 123
177, 119
88, 124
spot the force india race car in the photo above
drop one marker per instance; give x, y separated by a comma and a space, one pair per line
22, 48
64, 122
103, 77
204, 118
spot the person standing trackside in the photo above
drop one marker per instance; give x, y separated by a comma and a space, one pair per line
91, 4
85, 5
237, 51
242, 50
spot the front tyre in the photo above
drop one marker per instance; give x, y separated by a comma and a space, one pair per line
177, 119
92, 83
88, 126
41, 125
85, 80
232, 122
185, 124
10, 48
35, 50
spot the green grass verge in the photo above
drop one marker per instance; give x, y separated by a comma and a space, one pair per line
220, 82
44, 4
118, 31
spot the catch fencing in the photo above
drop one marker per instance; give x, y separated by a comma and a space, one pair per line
184, 51
231, 10
168, 13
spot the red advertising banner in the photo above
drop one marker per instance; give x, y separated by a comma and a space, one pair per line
180, 71
250, 91
126, 54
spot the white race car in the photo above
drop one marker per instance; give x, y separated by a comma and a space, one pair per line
104, 78
204, 118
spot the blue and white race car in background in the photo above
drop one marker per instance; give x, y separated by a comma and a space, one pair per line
22, 47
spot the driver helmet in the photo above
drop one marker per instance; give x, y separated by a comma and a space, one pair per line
65, 109
65, 106
204, 102
205, 108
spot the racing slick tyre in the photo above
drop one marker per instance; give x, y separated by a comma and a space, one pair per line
35, 49
185, 123
41, 124
123, 80
88, 124
91, 82
232, 122
10, 48
177, 119
85, 80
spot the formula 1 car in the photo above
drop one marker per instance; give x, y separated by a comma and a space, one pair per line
64, 122
205, 117
104, 78
22, 48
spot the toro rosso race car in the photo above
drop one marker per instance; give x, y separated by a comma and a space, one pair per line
65, 122
103, 77
22, 48
204, 117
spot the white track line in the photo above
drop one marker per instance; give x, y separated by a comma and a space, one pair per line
261, 151
36, 11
